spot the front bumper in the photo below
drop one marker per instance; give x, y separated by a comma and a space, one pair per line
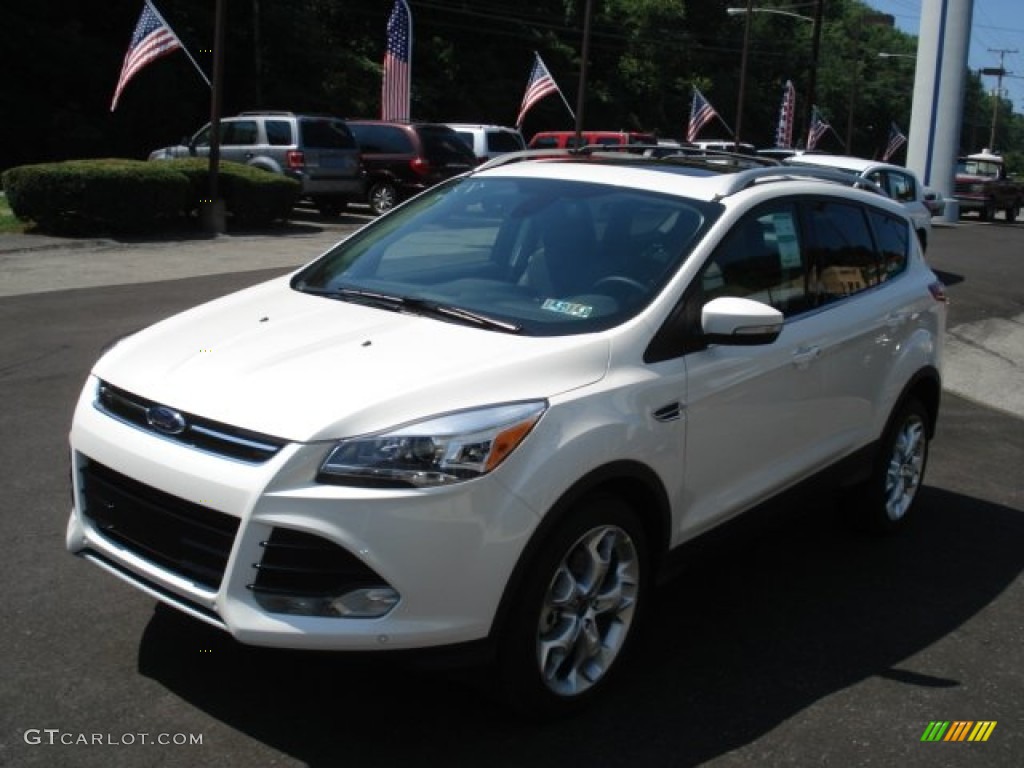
447, 552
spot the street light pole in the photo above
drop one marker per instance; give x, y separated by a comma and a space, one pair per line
737, 137
747, 12
812, 77
582, 91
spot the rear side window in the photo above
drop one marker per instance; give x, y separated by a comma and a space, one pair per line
279, 133
326, 134
382, 139
442, 145
847, 262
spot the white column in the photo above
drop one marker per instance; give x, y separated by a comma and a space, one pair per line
937, 113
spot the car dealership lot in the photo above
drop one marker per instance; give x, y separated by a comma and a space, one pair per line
801, 642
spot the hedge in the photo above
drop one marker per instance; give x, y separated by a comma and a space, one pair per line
137, 196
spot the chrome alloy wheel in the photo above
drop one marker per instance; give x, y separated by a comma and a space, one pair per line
587, 610
906, 466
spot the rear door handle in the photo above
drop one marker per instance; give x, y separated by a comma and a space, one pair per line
895, 319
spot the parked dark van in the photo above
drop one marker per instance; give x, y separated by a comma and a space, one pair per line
403, 159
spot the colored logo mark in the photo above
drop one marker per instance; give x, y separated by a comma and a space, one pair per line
958, 730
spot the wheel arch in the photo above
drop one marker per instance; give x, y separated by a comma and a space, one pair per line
634, 483
925, 386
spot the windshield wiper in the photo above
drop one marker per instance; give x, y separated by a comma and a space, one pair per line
422, 307
469, 316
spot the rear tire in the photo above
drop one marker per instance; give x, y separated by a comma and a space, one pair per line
576, 612
382, 197
885, 502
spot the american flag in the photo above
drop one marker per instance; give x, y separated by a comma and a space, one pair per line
896, 140
818, 129
395, 91
784, 133
540, 84
700, 113
152, 39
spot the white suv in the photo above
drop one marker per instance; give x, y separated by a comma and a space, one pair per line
901, 184
495, 413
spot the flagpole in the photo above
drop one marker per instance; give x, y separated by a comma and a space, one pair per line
212, 211
560, 94
183, 48
581, 96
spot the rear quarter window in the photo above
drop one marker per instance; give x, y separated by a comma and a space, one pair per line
382, 139
893, 236
501, 141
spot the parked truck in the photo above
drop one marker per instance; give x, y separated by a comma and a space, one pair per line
982, 185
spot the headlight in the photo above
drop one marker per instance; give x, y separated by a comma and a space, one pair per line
439, 451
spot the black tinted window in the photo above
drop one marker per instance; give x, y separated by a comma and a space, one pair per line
762, 259
893, 238
382, 139
279, 133
326, 134
442, 145
501, 141
238, 132
846, 256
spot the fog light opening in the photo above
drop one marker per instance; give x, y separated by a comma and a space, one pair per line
368, 603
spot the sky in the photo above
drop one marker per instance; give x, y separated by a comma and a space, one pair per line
997, 24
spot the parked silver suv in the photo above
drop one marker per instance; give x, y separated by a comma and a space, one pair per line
317, 151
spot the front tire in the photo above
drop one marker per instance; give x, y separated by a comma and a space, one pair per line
885, 502
576, 612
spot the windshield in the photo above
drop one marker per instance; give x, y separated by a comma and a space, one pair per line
978, 168
540, 256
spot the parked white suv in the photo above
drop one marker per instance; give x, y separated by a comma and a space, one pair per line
494, 414
901, 184
489, 141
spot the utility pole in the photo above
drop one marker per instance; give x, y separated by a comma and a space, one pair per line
999, 72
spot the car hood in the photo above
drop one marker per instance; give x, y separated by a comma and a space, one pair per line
304, 368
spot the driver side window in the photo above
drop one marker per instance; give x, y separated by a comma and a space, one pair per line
762, 259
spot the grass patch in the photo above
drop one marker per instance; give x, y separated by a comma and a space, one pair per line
9, 223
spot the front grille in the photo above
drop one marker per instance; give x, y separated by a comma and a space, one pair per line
188, 539
203, 434
302, 565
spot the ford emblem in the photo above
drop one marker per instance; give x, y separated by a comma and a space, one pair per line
166, 420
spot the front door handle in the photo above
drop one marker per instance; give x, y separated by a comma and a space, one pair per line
804, 356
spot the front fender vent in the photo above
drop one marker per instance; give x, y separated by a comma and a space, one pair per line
670, 412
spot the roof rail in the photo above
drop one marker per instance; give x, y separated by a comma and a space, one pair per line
632, 152
748, 178
741, 177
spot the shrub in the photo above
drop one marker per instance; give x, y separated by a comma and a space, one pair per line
96, 195
136, 196
253, 197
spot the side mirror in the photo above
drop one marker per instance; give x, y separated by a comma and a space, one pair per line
734, 321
